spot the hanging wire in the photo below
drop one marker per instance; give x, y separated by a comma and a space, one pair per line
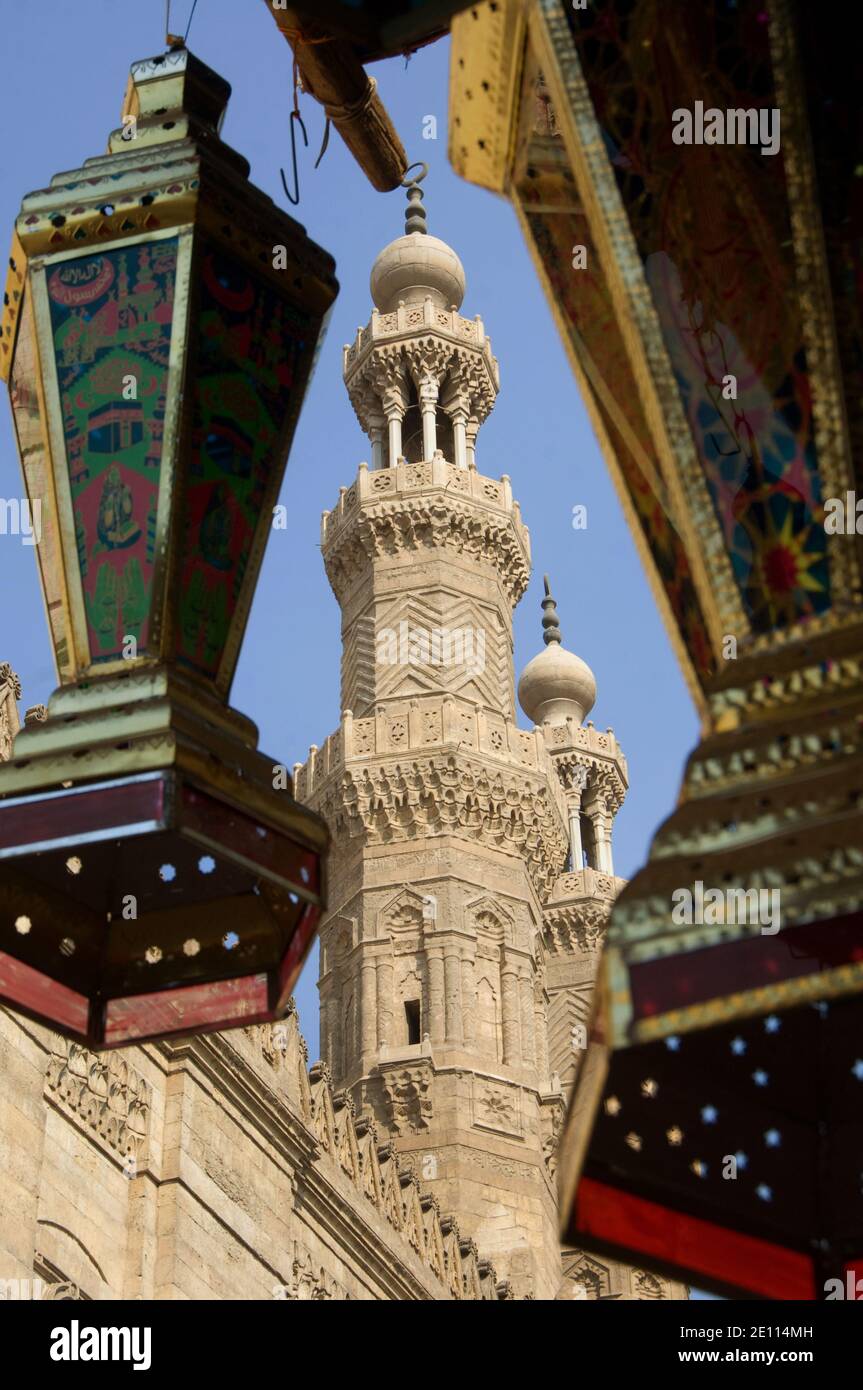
191, 17
174, 40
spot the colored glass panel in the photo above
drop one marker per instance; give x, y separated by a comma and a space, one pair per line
111, 317
710, 221
250, 343
688, 1245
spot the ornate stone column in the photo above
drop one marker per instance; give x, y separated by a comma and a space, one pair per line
436, 1008
394, 410
510, 1011
368, 1005
471, 432
428, 395
540, 1015
576, 849
602, 835
452, 977
468, 983
459, 421
385, 1000
525, 990
377, 425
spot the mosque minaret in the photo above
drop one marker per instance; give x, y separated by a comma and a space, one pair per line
471, 866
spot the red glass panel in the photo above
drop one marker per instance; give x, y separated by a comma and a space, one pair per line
39, 994
750, 963
75, 814
295, 954
693, 1247
197, 1009
240, 834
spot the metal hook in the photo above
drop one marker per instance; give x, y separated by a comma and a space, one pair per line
418, 178
326, 141
295, 116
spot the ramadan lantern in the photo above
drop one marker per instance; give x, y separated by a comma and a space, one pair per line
160, 325
688, 180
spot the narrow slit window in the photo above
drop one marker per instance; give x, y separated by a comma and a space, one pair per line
412, 1018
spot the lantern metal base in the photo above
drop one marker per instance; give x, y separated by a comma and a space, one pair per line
729, 1154
177, 892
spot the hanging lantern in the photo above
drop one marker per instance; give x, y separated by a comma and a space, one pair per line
161, 322
689, 191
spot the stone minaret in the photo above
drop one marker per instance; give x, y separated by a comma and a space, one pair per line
452, 916
557, 691
449, 823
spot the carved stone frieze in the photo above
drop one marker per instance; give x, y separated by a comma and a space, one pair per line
421, 524
444, 795
408, 1092
496, 1106
104, 1091
577, 927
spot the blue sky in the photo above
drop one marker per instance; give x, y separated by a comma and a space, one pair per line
61, 96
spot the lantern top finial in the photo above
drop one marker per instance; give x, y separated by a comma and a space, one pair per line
176, 81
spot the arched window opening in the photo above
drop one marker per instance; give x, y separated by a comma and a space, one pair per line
412, 427
588, 841
445, 439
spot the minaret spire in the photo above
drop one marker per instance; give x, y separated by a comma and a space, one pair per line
415, 217
550, 620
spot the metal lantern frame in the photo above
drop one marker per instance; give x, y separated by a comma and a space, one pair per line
141, 761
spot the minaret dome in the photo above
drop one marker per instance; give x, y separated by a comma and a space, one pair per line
416, 264
557, 684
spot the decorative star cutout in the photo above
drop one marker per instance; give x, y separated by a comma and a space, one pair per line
764, 1192
857, 1069
741, 1159
738, 1046
673, 1044
612, 1106
772, 1138
760, 1077
709, 1114
649, 1088
634, 1141
772, 1024
674, 1135
699, 1168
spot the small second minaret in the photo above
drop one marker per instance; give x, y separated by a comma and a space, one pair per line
557, 691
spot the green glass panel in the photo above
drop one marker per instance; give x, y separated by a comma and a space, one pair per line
111, 317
